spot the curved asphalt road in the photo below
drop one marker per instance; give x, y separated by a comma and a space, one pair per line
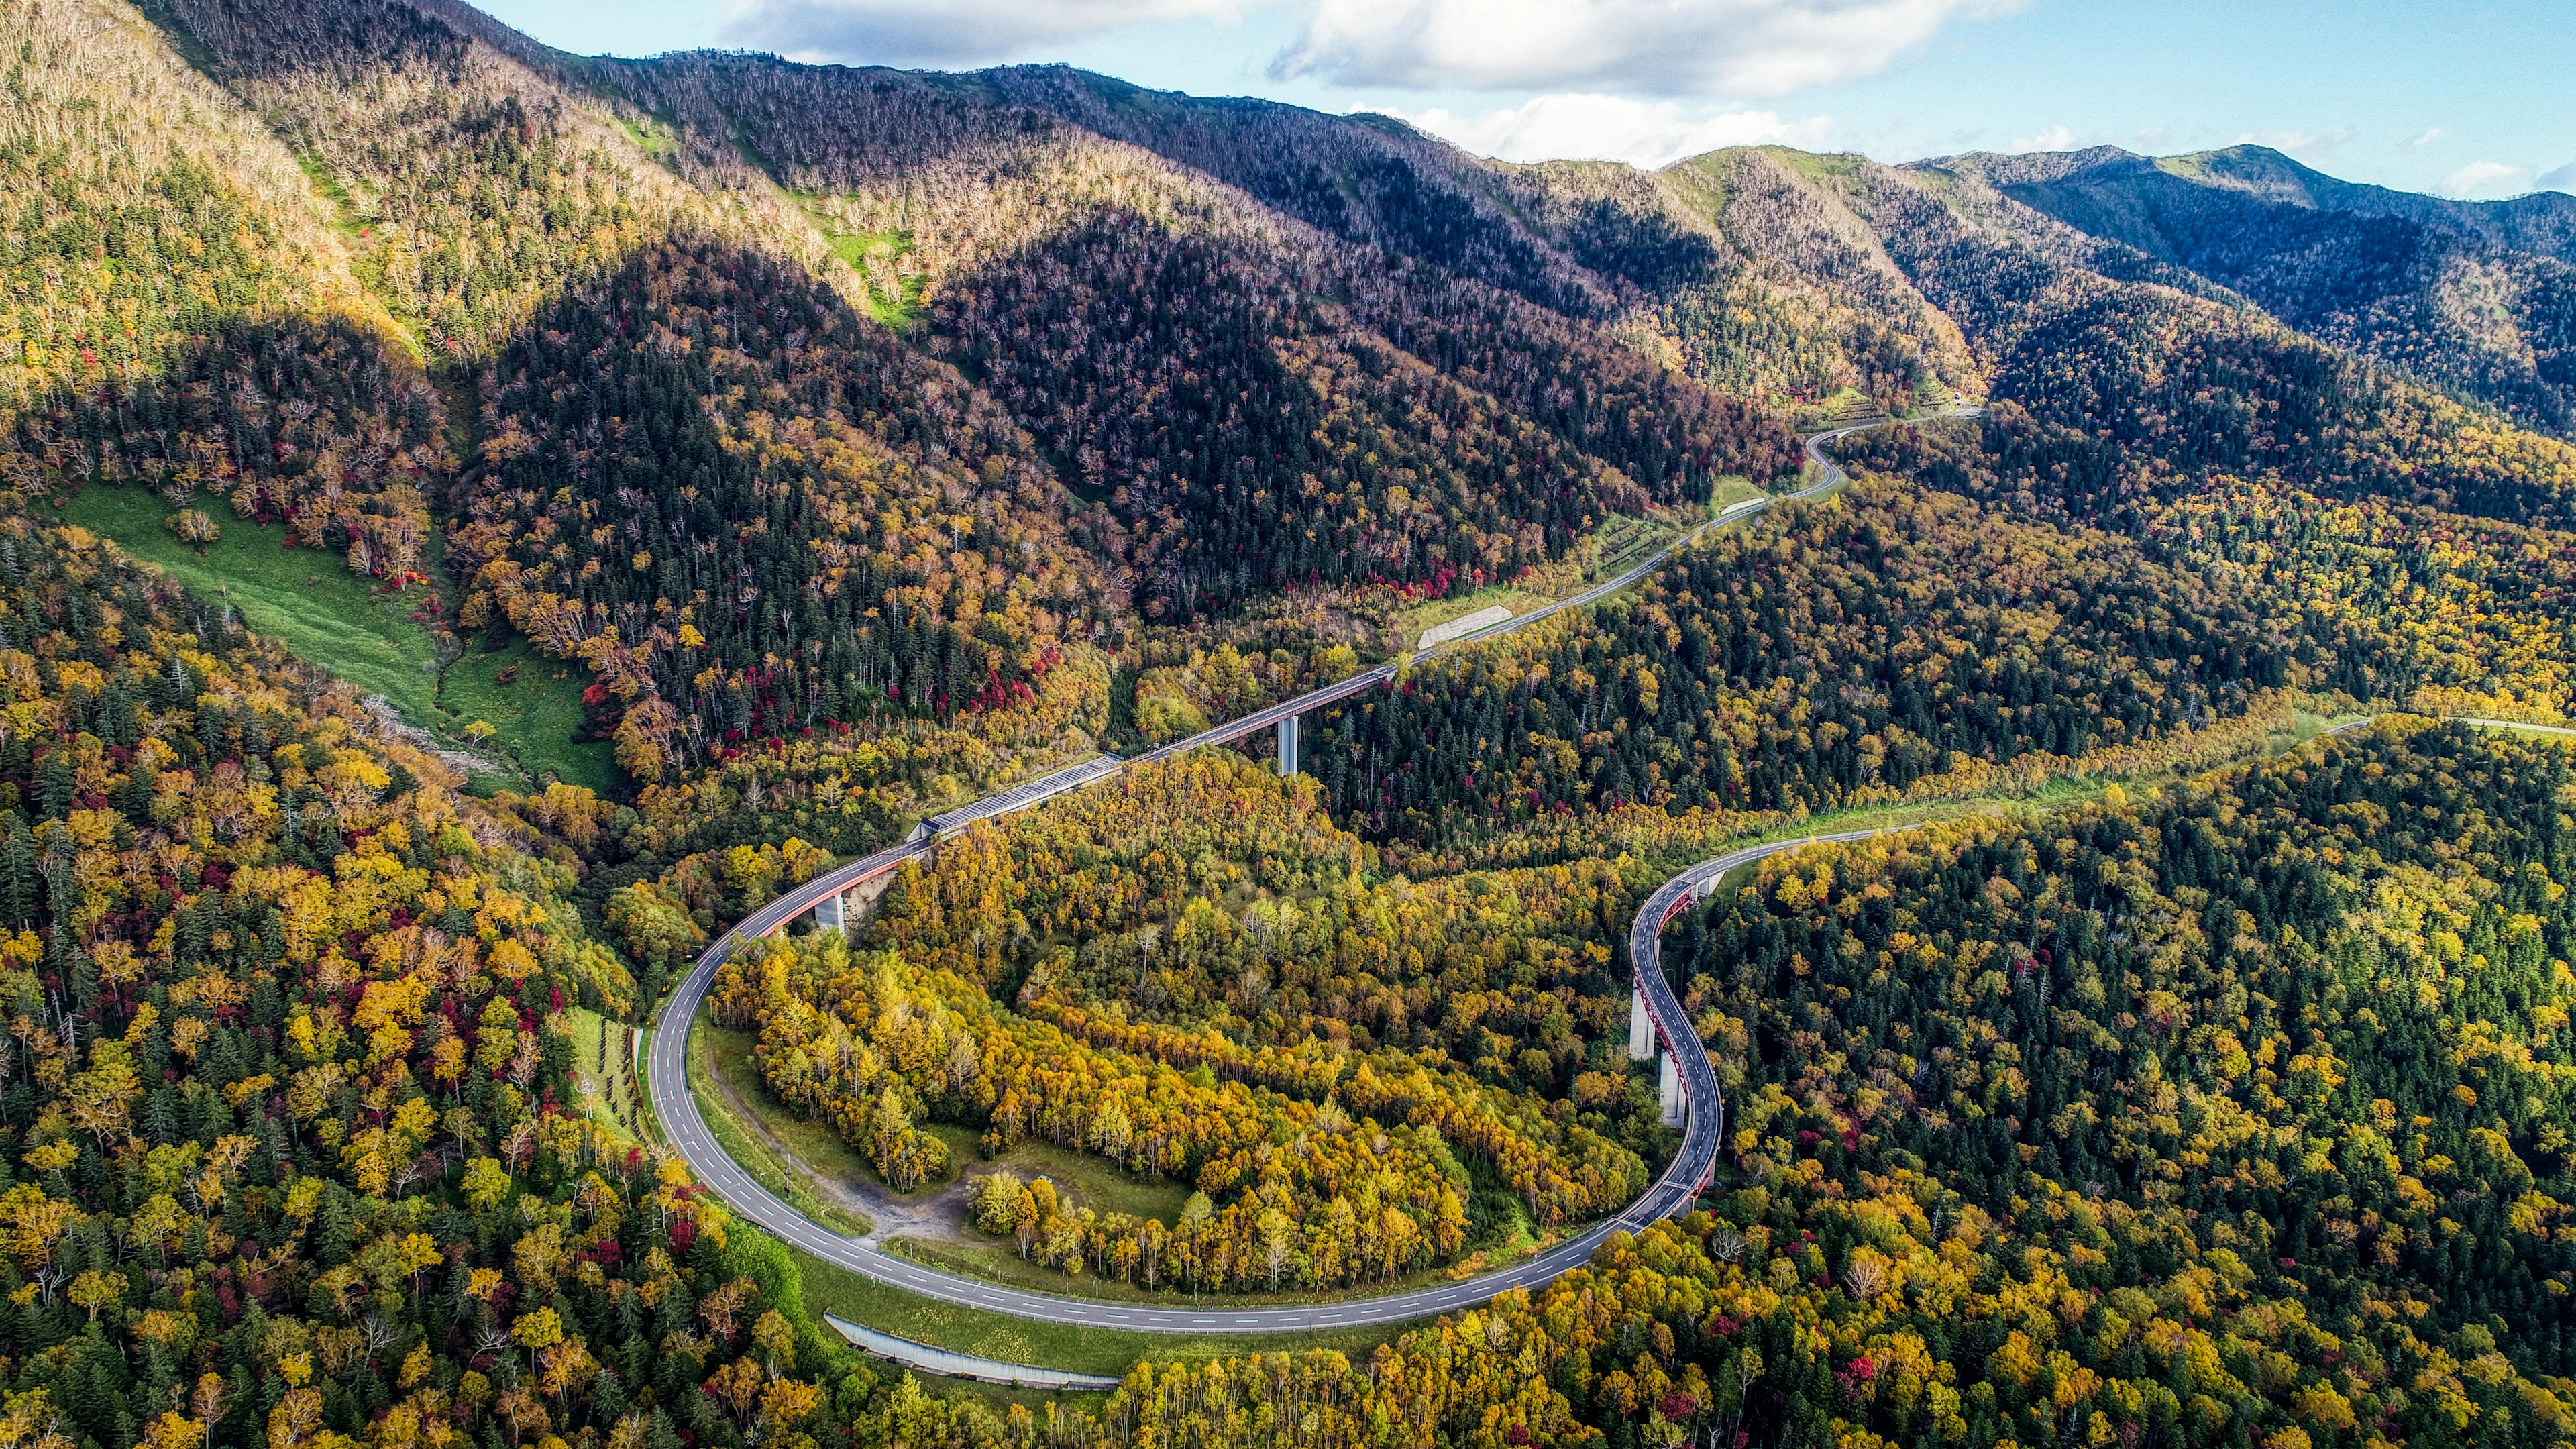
1673, 1193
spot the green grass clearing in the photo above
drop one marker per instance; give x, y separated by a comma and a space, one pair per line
345, 207
644, 1114
304, 599
891, 296
1931, 395
1845, 408
1816, 165
653, 136
588, 1029
1412, 621
965, 1145
532, 703
1081, 1348
308, 601
2304, 726
614, 1090
721, 1058
854, 246
1095, 1182
1732, 489
534, 706
1623, 543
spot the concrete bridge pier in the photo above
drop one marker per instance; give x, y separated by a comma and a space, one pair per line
1676, 1106
1641, 1028
1287, 745
830, 914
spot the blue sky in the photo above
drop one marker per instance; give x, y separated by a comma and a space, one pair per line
2468, 100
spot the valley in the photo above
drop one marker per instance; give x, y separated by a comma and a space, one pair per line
655, 708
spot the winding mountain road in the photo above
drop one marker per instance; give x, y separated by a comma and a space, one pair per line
686, 1131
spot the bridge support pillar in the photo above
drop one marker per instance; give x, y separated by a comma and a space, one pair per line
1288, 746
830, 914
1676, 1106
1641, 1028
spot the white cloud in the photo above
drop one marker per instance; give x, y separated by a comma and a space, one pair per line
948, 33
2484, 179
2048, 138
1587, 126
2562, 179
2418, 143
1655, 47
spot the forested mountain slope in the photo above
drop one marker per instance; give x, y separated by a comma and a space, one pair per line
1763, 283
284, 1148
2468, 296
1834, 655
1078, 274
2137, 375
1361, 178
850, 426
2542, 223
2230, 1117
1046, 359
1016, 383
178, 312
1775, 271
2421, 540
797, 469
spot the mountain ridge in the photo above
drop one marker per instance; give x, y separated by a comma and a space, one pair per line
2475, 297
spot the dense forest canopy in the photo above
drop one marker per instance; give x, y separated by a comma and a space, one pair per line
1826, 657
868, 538
174, 315
2224, 1118
2427, 287
285, 1153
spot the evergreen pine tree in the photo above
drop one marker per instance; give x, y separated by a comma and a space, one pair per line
55, 788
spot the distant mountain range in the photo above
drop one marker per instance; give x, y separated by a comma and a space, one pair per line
2475, 296
1744, 259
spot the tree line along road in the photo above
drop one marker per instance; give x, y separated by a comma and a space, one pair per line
685, 1130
